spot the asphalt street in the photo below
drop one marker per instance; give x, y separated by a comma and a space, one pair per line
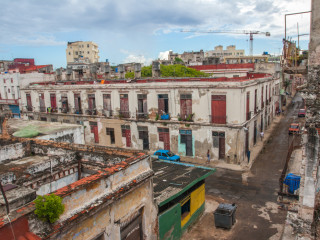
254, 191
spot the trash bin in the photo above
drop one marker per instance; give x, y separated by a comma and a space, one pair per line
224, 215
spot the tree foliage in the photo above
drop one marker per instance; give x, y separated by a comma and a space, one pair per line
129, 75
146, 71
49, 207
178, 61
178, 70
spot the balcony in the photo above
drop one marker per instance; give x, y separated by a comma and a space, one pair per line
77, 111
124, 114
43, 109
29, 108
64, 110
142, 115
107, 113
10, 101
91, 112
218, 119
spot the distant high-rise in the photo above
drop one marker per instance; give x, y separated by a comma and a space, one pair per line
79, 51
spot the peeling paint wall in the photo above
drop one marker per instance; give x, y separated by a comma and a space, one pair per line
108, 219
12, 151
201, 92
73, 135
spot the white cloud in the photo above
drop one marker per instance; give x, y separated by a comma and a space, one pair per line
164, 55
137, 59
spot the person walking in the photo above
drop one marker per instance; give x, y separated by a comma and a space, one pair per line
248, 155
261, 135
208, 156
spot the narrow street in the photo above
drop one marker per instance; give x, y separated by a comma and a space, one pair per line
254, 192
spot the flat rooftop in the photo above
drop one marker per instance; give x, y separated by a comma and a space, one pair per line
43, 128
250, 76
171, 179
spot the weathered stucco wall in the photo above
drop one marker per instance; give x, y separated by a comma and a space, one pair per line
72, 135
202, 128
107, 221
12, 151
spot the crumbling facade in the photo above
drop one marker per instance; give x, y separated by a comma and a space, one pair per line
81, 51
107, 193
187, 116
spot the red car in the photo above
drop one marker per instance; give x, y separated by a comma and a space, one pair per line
294, 128
302, 112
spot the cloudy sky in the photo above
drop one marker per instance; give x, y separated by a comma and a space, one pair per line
142, 30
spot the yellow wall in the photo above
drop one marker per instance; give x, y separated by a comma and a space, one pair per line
197, 198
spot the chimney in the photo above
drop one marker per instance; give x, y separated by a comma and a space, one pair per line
121, 71
137, 70
58, 74
107, 71
69, 73
155, 69
93, 72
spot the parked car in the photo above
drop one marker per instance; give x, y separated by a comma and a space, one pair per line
166, 155
302, 112
294, 128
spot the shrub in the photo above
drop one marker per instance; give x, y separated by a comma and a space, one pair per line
49, 207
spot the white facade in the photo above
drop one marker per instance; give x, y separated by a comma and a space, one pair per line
201, 128
81, 51
11, 83
220, 52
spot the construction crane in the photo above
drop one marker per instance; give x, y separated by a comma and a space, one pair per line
250, 33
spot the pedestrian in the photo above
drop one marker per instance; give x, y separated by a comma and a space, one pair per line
208, 156
248, 155
261, 135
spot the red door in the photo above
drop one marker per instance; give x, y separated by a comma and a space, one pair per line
29, 103
166, 140
128, 137
53, 101
124, 105
218, 109
221, 147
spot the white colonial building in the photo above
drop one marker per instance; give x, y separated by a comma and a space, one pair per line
187, 116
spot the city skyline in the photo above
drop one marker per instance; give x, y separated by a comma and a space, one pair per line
140, 31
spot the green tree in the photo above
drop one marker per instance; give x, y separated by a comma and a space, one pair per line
178, 61
49, 207
180, 71
146, 71
129, 75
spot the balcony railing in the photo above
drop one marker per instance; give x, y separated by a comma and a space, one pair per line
77, 111
64, 110
91, 112
218, 119
29, 108
107, 113
43, 109
124, 114
142, 115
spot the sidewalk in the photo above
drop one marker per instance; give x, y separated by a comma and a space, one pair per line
255, 151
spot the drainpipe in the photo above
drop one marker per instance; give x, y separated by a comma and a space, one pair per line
5, 198
79, 166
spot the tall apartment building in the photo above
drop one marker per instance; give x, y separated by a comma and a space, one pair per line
220, 52
188, 115
80, 51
